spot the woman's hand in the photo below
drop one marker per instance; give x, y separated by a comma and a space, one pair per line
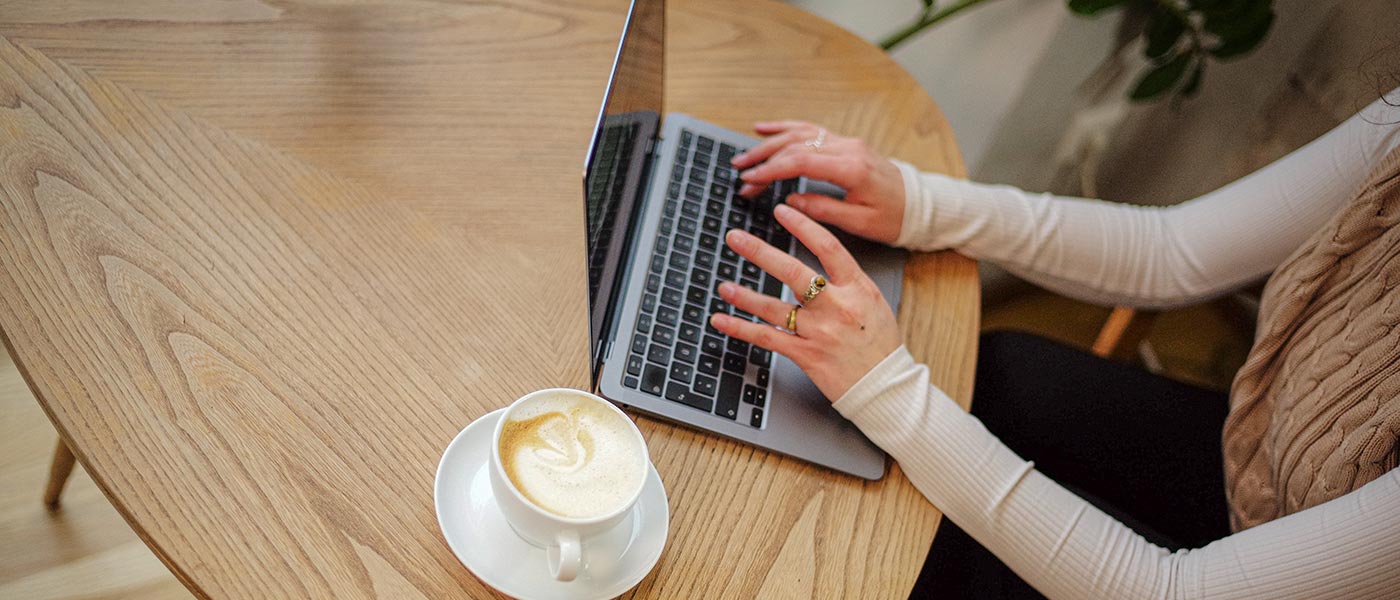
874, 205
840, 335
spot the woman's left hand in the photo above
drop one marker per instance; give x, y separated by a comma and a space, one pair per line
840, 335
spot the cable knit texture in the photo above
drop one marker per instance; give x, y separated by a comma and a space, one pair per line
1315, 412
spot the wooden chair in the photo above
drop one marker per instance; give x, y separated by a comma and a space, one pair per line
1122, 334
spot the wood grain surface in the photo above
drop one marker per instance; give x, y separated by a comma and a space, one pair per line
261, 261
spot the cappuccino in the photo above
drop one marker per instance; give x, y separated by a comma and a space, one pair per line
572, 456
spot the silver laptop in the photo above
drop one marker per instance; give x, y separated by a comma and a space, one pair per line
660, 195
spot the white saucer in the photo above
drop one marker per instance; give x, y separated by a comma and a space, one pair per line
481, 538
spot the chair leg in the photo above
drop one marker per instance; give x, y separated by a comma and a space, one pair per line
59, 471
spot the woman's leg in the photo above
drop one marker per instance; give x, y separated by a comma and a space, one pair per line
1143, 448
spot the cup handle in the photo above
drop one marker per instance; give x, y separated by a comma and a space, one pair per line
564, 557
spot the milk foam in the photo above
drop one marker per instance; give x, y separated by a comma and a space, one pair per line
572, 456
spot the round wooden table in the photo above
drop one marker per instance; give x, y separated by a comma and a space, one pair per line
260, 262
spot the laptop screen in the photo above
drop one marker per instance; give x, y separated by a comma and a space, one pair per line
616, 167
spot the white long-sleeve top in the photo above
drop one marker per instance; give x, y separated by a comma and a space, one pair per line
1059, 543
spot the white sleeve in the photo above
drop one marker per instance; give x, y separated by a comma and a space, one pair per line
1154, 257
1067, 548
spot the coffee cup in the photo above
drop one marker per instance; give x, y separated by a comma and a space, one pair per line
566, 466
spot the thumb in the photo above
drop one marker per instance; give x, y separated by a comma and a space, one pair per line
850, 217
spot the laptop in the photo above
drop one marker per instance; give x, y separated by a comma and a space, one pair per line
660, 194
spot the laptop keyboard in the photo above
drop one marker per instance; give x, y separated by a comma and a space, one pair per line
675, 354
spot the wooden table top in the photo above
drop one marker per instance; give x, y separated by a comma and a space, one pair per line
260, 262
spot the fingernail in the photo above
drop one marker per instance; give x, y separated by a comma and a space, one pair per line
717, 319
735, 235
726, 288
737, 159
783, 209
746, 174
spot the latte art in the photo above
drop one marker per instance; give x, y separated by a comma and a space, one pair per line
571, 456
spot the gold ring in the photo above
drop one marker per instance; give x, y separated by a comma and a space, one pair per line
792, 318
814, 287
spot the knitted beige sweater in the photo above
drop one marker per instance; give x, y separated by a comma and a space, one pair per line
1315, 412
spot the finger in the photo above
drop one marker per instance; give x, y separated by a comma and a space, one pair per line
766, 307
767, 148
827, 166
848, 216
758, 334
772, 127
775, 262
837, 261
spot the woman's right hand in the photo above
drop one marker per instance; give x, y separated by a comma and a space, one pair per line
874, 204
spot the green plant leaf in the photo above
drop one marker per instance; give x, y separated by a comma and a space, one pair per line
1236, 17
1089, 7
1161, 78
1245, 37
1163, 30
928, 5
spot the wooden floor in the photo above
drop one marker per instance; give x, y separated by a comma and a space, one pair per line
86, 550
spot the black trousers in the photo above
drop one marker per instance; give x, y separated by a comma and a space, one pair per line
1143, 448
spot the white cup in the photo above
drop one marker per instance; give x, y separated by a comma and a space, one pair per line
563, 538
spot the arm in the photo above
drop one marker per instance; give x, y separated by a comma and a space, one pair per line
1067, 548
1150, 256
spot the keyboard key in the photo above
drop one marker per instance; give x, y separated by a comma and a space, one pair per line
659, 354
756, 418
658, 263
667, 226
694, 192
707, 241
697, 295
726, 152
738, 346
718, 305
649, 303
734, 362
686, 137
653, 378
726, 271
760, 396
662, 244
705, 386
630, 381
692, 314
689, 332
667, 315
750, 394
687, 226
691, 208
670, 297
705, 144
644, 323
680, 261
714, 208
718, 189
737, 220
663, 335
704, 260
684, 244
634, 365
751, 270
727, 400
687, 353
674, 278
681, 372
678, 392
653, 283
710, 345
760, 356
749, 282
674, 190
700, 278
762, 379
724, 174
772, 286
639, 343
726, 253
708, 365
